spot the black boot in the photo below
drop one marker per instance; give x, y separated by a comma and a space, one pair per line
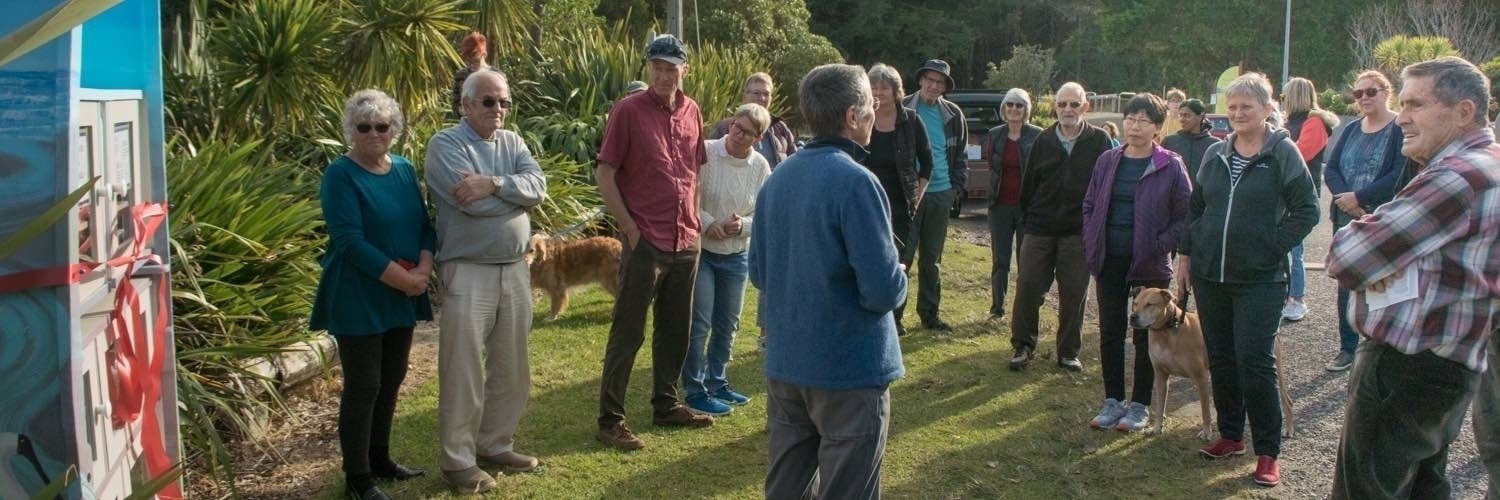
382, 467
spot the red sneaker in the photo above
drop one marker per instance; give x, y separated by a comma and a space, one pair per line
1267, 471
1222, 448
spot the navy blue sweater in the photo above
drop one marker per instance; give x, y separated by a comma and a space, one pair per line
826, 266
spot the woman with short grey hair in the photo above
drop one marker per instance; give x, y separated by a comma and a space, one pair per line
900, 159
368, 106
373, 288
831, 349
1006, 147
1254, 202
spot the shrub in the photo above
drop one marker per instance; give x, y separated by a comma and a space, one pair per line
1029, 67
245, 233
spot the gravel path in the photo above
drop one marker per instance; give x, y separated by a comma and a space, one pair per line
1318, 396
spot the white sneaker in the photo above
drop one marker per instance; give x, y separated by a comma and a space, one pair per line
1294, 310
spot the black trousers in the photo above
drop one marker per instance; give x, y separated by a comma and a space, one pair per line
906, 249
1112, 290
374, 367
1240, 321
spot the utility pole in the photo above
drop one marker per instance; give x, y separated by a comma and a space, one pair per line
674, 18
1286, 46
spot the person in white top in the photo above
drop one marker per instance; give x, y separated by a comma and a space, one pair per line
727, 186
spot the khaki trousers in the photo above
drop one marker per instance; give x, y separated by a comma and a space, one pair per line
484, 374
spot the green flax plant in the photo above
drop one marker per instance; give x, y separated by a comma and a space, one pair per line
245, 235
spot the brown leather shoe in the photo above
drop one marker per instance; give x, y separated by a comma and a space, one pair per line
469, 481
681, 416
510, 461
619, 436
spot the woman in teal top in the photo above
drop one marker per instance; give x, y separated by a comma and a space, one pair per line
374, 284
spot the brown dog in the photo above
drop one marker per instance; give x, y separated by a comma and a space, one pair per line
1177, 349
557, 265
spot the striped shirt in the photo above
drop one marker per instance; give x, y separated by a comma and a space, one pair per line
1444, 223
1237, 164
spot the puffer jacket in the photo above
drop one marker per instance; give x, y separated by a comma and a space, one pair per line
1161, 214
1241, 232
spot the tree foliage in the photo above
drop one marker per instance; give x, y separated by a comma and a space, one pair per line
1030, 67
1129, 45
1399, 51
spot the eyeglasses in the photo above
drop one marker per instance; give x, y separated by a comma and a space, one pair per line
364, 128
1369, 92
1017, 105
742, 130
1138, 121
490, 102
1069, 104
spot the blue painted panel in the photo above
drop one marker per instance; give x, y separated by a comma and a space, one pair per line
34, 113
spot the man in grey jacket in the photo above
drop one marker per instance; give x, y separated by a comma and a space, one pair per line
483, 179
947, 134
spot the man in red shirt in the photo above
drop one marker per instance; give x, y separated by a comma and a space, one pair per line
648, 176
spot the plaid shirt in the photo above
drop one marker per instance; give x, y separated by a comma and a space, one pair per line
1444, 222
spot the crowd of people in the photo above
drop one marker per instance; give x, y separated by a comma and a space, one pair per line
1161, 203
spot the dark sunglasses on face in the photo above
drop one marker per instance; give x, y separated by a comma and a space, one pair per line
1016, 105
1370, 92
490, 102
1070, 104
364, 128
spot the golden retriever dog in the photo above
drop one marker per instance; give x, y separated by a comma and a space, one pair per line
557, 265
1176, 348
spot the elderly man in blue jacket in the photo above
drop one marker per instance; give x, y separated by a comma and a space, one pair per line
826, 266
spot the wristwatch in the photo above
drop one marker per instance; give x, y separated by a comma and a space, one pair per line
496, 180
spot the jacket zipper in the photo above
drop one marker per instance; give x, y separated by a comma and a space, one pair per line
1228, 212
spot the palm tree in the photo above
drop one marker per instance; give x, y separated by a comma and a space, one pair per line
1399, 51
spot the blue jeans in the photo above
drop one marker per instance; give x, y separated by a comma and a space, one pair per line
717, 298
1348, 338
1296, 274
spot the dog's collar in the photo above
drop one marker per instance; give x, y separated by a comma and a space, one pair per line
1179, 320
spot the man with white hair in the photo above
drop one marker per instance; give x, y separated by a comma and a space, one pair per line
1424, 270
483, 180
831, 349
1056, 178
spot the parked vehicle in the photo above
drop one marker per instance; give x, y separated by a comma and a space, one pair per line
1219, 124
981, 109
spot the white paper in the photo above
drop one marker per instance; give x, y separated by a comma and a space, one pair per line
1402, 289
972, 151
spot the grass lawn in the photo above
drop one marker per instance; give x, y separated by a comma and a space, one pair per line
962, 426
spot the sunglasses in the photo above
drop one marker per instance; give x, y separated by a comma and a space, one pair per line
490, 102
1069, 104
364, 128
1370, 92
1017, 105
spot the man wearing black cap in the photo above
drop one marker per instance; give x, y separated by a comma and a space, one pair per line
648, 176
947, 134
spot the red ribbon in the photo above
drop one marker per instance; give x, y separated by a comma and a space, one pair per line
135, 372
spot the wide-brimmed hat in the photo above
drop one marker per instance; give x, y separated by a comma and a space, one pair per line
938, 65
666, 48
634, 86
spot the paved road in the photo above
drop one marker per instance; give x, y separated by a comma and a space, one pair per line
1318, 395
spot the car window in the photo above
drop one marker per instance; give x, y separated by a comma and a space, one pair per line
1219, 122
